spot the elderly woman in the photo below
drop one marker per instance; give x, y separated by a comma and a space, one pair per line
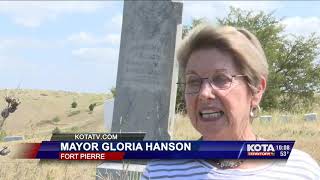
225, 72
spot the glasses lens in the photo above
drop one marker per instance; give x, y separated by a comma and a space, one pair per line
221, 81
193, 84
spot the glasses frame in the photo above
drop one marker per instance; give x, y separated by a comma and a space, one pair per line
211, 83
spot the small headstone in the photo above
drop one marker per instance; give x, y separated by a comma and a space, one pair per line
284, 118
108, 112
266, 118
119, 171
13, 138
310, 117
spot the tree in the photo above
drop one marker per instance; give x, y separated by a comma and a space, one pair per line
294, 77
12, 104
92, 106
194, 23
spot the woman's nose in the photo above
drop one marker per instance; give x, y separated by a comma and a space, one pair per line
206, 91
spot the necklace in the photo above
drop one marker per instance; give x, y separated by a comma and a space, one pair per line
227, 163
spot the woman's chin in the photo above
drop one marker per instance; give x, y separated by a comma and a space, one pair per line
212, 127
218, 136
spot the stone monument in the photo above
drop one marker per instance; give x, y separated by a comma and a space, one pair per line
147, 68
147, 75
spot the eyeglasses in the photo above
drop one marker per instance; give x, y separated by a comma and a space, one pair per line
220, 81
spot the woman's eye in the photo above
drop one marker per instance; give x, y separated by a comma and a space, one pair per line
193, 81
220, 79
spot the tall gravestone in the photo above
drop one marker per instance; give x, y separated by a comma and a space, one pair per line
147, 75
147, 68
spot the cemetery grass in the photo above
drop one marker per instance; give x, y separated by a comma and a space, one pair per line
37, 116
306, 134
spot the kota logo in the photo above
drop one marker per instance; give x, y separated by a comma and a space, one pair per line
260, 150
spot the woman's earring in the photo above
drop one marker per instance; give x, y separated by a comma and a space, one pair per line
251, 113
254, 112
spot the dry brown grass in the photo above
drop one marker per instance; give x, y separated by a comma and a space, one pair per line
306, 134
33, 170
34, 120
38, 109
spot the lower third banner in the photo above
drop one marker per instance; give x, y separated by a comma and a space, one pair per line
119, 150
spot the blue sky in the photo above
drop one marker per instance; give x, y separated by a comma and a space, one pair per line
74, 46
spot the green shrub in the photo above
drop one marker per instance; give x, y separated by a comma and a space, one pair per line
91, 106
2, 134
56, 131
74, 104
55, 119
75, 129
113, 91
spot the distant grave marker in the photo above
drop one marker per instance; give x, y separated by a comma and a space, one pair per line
266, 118
285, 118
310, 117
13, 138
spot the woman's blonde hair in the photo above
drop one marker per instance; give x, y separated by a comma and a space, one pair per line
242, 45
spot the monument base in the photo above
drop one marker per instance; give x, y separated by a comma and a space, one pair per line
119, 171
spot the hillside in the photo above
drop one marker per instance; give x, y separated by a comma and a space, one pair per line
42, 111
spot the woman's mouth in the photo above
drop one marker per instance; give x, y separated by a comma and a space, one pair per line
209, 115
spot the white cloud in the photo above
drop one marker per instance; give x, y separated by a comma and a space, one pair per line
82, 37
254, 5
302, 25
117, 20
192, 10
32, 21
16, 64
33, 13
19, 43
112, 38
13, 44
217, 9
108, 55
114, 24
8, 46
90, 39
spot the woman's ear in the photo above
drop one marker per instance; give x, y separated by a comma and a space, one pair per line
257, 96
